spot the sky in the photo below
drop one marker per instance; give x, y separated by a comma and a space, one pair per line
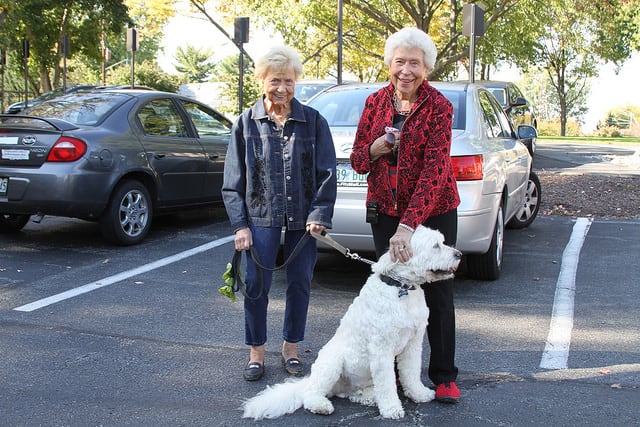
609, 90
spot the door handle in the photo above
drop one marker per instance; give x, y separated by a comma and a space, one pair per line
213, 156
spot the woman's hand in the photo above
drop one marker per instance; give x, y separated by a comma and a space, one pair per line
400, 245
316, 228
243, 239
380, 147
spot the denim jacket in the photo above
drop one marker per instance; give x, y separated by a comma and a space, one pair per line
277, 177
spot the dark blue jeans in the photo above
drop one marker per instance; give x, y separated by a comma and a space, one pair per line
298, 275
441, 330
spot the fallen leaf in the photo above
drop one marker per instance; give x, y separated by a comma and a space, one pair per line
618, 386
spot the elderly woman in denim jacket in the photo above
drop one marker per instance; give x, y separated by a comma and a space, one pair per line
280, 173
411, 179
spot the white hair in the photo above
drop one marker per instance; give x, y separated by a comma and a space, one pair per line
278, 59
411, 37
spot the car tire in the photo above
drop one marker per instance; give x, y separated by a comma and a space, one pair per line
530, 206
127, 218
488, 266
10, 223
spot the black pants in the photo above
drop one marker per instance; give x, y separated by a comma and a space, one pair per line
441, 330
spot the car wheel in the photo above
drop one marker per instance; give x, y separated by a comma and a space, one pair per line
10, 223
530, 206
127, 218
488, 266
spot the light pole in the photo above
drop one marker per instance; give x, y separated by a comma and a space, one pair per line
339, 42
317, 57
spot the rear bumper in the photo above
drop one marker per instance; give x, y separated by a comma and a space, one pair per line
56, 191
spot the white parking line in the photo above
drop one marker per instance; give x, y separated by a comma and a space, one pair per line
122, 276
556, 351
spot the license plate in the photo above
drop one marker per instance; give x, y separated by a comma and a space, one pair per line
4, 185
347, 177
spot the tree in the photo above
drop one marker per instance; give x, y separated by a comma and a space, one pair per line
227, 71
310, 27
575, 41
44, 23
146, 74
195, 64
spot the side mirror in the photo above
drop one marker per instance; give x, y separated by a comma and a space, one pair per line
527, 132
519, 102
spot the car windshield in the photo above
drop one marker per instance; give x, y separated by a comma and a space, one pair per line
79, 108
343, 107
304, 91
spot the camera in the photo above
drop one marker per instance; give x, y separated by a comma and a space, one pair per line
372, 212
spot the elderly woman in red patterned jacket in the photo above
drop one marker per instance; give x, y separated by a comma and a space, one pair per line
403, 142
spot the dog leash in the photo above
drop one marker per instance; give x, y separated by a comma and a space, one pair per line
325, 238
389, 278
240, 285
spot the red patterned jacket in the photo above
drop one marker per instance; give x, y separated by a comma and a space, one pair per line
426, 183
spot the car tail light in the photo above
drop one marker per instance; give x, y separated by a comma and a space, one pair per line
67, 150
467, 168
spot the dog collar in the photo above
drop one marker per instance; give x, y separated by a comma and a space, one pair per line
403, 288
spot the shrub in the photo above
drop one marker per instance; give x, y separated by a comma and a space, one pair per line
552, 128
608, 132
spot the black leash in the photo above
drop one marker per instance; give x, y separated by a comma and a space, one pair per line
241, 286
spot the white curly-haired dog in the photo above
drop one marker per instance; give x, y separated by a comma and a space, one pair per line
385, 322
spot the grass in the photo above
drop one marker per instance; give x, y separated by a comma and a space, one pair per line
591, 139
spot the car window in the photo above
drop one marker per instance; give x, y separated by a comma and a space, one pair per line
457, 99
505, 124
500, 94
206, 122
494, 129
341, 108
79, 108
160, 117
514, 94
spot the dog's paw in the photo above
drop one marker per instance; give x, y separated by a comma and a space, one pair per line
392, 412
421, 395
318, 405
364, 396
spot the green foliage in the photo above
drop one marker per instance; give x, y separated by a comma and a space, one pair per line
608, 132
227, 71
145, 74
194, 64
622, 117
310, 27
229, 283
43, 23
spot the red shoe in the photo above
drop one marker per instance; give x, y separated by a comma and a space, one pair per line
447, 393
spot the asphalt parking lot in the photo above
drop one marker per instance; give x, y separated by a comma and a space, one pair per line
142, 337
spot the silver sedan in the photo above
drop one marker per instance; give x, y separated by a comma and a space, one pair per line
493, 172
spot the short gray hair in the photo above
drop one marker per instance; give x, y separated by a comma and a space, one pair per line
278, 59
411, 37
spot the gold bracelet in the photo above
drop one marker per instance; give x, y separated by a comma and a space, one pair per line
406, 227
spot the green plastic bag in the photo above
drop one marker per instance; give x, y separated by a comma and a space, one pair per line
229, 283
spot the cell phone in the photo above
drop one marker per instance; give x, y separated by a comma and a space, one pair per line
390, 137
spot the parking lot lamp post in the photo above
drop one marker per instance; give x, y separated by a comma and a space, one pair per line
317, 57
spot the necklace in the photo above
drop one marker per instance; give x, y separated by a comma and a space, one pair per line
397, 105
